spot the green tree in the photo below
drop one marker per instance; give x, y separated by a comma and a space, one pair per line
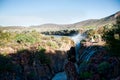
90, 33
112, 38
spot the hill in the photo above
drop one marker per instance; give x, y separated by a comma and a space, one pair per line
92, 23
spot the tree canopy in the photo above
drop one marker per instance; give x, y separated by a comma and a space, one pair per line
112, 38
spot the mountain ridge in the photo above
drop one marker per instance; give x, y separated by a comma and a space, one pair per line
82, 24
90, 22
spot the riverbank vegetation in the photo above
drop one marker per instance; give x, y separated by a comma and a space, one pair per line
62, 32
18, 41
112, 38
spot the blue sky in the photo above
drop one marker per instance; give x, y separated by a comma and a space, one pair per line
36, 12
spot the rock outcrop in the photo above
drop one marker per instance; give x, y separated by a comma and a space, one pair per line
95, 63
32, 64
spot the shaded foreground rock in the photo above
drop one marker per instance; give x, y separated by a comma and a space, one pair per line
95, 64
31, 65
70, 67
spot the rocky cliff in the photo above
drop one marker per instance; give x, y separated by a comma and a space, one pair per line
94, 64
40, 60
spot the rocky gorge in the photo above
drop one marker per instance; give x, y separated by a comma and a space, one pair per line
86, 50
72, 61
90, 61
41, 60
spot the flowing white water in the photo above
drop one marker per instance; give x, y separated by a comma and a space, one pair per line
76, 39
60, 76
85, 53
88, 53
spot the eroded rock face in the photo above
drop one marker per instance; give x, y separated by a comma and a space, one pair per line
95, 64
32, 63
71, 71
57, 61
86, 53
29, 65
69, 66
71, 54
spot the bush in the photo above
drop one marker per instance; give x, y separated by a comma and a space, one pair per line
23, 38
51, 44
5, 37
41, 49
90, 33
112, 38
86, 75
103, 66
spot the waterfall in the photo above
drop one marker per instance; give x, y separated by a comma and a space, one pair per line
77, 39
87, 53
60, 76
84, 57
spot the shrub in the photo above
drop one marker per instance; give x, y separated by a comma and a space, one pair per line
23, 38
51, 44
5, 38
65, 39
112, 38
90, 33
41, 49
103, 66
36, 35
52, 37
86, 75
